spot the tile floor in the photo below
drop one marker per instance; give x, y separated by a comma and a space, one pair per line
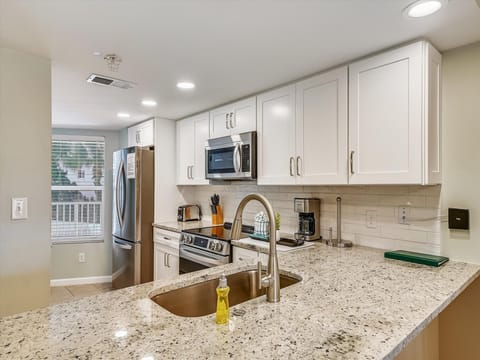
60, 294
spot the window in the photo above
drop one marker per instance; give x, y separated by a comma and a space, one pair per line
78, 169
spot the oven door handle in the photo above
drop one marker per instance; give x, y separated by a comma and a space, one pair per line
200, 259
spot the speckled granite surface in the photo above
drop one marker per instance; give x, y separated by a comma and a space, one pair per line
351, 304
178, 226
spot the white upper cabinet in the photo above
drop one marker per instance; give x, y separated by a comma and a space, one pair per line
302, 132
321, 129
276, 137
394, 117
192, 133
141, 134
232, 119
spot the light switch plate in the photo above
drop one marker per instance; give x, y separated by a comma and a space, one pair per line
19, 208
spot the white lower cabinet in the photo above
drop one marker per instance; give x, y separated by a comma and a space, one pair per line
242, 254
166, 258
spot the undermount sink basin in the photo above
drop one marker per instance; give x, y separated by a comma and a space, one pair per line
201, 299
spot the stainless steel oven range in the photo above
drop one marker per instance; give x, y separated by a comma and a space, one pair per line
206, 247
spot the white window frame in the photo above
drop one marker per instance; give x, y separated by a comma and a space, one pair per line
82, 239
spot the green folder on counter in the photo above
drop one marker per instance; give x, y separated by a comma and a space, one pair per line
418, 258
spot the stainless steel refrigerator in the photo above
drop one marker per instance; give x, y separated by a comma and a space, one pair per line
132, 243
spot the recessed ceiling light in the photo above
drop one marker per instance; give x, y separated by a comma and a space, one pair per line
96, 53
123, 115
147, 102
185, 85
422, 8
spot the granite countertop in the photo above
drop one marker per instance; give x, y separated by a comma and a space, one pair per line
179, 226
351, 304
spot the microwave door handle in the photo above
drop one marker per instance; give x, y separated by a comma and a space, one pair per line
237, 158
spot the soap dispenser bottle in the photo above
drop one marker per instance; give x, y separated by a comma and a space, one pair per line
223, 309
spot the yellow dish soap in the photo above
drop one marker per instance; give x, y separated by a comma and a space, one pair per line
223, 309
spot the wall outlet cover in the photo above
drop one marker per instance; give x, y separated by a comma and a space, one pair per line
371, 219
458, 219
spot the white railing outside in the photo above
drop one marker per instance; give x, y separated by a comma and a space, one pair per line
77, 219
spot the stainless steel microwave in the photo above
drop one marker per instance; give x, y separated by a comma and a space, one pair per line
232, 157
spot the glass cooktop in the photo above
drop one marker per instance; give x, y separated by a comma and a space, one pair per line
220, 232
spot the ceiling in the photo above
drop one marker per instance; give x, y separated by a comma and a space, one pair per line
229, 48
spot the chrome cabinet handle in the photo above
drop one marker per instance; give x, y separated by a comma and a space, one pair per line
299, 171
233, 120
291, 166
164, 259
351, 162
137, 136
188, 172
166, 238
191, 172
168, 262
226, 121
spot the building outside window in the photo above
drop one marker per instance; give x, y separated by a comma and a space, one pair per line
78, 175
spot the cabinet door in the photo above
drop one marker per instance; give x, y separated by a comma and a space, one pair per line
166, 263
146, 137
321, 128
159, 263
220, 123
133, 135
385, 118
244, 116
242, 254
185, 151
276, 136
201, 127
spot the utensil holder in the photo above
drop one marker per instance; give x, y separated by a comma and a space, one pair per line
217, 219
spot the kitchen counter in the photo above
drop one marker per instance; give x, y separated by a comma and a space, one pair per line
178, 226
351, 304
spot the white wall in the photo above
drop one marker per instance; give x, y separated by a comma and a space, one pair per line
25, 125
421, 234
98, 255
461, 120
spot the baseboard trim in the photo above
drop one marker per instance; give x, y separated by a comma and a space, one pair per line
81, 280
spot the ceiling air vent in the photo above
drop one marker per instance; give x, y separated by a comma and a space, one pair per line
108, 81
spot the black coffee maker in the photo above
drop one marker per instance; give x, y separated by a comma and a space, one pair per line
308, 210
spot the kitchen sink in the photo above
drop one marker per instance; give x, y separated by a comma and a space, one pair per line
201, 299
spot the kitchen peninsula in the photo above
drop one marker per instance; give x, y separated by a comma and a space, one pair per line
350, 304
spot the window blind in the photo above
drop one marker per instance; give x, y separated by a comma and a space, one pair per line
78, 175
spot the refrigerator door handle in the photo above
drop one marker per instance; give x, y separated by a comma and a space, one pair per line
121, 205
123, 246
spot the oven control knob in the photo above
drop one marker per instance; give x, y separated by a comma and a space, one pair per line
211, 245
218, 246
188, 239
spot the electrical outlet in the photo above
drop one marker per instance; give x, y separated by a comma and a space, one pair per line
81, 257
403, 214
371, 219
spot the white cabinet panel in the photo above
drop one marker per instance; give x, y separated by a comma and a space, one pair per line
276, 136
192, 134
389, 110
232, 119
321, 128
166, 255
201, 132
244, 116
185, 151
142, 134
220, 122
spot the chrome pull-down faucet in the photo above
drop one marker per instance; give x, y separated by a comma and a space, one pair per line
272, 280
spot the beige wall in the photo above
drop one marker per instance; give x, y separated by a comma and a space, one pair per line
25, 118
98, 255
461, 117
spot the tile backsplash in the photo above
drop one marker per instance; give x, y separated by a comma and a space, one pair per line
421, 233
